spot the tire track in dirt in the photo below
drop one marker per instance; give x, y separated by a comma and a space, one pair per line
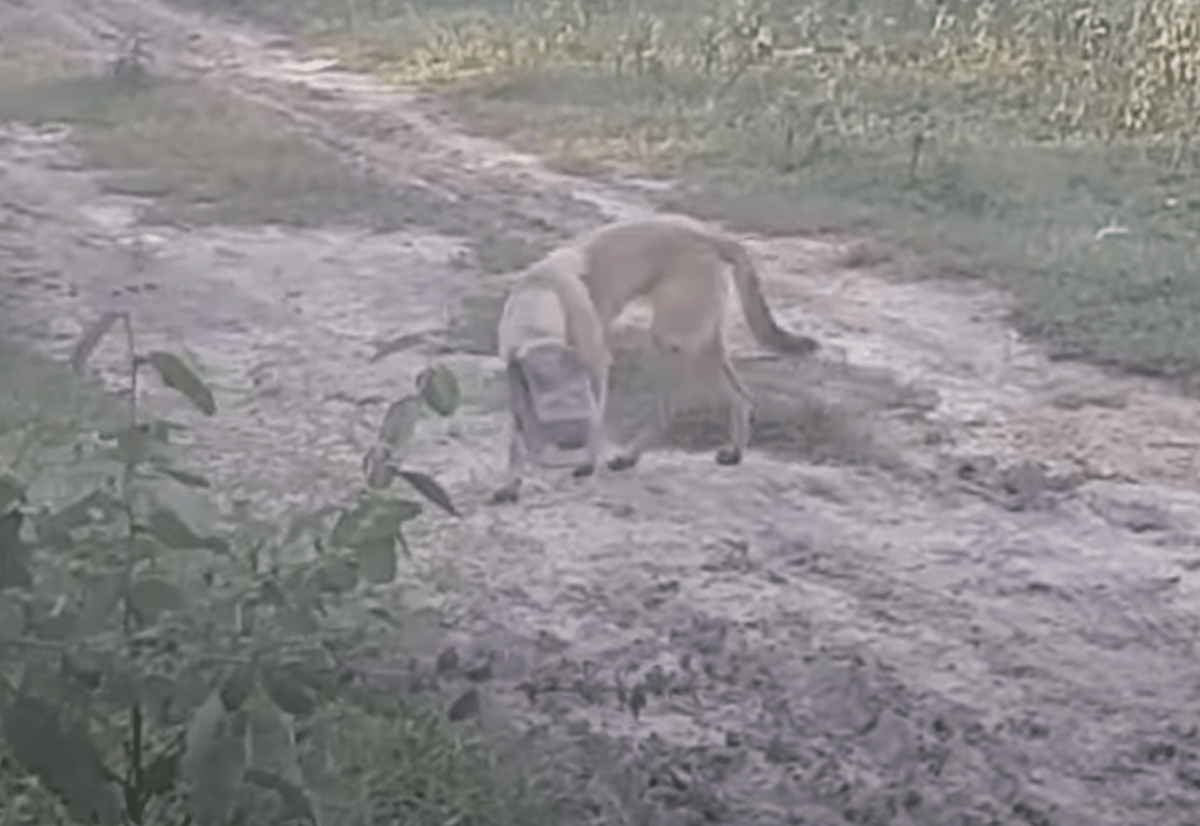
812, 644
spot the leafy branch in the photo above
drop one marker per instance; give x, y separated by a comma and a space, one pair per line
128, 612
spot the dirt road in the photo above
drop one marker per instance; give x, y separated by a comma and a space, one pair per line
978, 607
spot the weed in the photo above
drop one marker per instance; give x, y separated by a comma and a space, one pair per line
161, 668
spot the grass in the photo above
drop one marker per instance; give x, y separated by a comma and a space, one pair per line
202, 158
413, 767
1011, 131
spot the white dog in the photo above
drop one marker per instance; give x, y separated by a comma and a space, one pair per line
556, 363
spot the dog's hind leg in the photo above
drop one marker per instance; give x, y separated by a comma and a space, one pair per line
741, 413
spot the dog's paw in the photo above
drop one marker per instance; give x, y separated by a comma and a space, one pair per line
506, 495
622, 462
729, 456
584, 471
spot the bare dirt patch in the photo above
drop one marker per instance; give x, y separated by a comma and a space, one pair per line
994, 625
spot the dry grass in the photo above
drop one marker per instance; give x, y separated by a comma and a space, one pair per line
1012, 131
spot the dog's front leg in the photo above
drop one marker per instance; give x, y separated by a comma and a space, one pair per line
598, 437
510, 491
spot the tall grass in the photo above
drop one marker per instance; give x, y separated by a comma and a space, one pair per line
1014, 129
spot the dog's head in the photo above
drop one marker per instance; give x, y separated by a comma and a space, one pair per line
550, 391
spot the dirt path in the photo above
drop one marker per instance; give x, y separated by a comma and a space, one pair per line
959, 635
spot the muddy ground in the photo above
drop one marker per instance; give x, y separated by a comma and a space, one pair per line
954, 583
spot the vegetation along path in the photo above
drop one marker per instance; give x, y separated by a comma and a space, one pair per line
956, 582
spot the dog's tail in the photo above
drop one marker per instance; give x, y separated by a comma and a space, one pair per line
758, 315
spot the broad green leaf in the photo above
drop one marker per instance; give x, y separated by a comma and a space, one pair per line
287, 692
184, 477
90, 339
400, 422
178, 376
150, 597
161, 774
270, 592
169, 529
309, 523
144, 547
467, 705
439, 389
134, 444
156, 693
56, 626
296, 805
270, 740
318, 680
97, 506
348, 525
300, 619
237, 688
377, 559
14, 554
11, 491
12, 618
371, 519
305, 606
161, 429
50, 535
428, 487
101, 596
85, 668
214, 762
377, 465
337, 576
63, 758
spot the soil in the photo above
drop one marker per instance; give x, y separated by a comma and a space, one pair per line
954, 582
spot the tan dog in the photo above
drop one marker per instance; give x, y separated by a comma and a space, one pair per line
677, 264
556, 363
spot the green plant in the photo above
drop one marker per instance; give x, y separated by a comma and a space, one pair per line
160, 667
131, 69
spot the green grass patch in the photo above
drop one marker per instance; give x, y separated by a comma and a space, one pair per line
399, 761
203, 158
1013, 132
199, 157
